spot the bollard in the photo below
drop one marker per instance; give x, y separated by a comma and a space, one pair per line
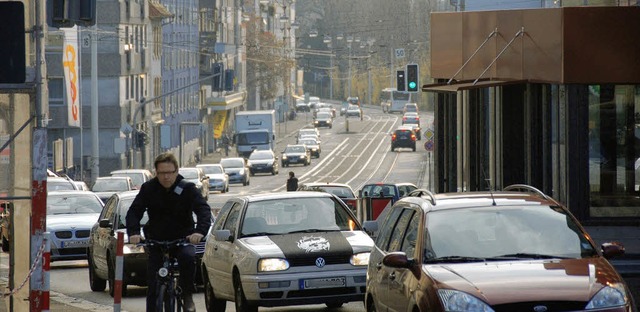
117, 290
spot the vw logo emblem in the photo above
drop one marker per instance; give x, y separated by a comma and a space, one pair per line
540, 308
320, 262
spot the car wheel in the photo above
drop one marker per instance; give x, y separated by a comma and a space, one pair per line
5, 244
334, 305
242, 305
210, 301
371, 307
95, 282
245, 182
392, 148
414, 148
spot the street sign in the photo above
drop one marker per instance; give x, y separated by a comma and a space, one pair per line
399, 53
126, 129
428, 145
428, 134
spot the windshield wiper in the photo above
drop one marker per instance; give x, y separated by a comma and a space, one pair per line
313, 231
524, 255
455, 259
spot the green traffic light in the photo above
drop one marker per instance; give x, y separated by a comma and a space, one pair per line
412, 85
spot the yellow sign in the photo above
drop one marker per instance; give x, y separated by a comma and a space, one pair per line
219, 122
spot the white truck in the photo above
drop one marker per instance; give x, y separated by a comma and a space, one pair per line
254, 130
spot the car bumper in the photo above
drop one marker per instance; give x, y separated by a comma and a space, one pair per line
236, 179
289, 289
266, 169
217, 186
411, 144
296, 160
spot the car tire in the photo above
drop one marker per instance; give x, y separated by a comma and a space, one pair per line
371, 307
392, 148
96, 283
212, 303
5, 244
245, 182
112, 281
241, 303
414, 148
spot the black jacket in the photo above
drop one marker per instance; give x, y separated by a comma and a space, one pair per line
292, 184
169, 211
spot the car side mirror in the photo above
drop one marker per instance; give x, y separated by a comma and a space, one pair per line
612, 249
223, 236
105, 223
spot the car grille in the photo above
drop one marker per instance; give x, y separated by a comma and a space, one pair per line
550, 305
311, 261
69, 234
324, 292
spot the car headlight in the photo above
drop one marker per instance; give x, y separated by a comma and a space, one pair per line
303, 156
454, 300
241, 172
314, 149
272, 264
284, 156
128, 249
610, 296
360, 259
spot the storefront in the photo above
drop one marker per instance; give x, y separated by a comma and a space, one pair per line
545, 97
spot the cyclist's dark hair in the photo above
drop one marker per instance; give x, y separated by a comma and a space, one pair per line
166, 157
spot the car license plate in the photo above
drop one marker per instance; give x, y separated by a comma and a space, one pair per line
75, 244
328, 282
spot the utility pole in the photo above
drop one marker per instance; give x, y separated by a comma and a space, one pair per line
95, 145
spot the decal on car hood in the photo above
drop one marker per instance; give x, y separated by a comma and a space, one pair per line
305, 244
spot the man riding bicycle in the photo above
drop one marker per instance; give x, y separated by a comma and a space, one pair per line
170, 204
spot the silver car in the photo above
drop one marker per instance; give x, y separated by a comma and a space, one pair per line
218, 179
283, 249
197, 177
237, 169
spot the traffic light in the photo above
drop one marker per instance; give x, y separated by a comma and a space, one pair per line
412, 78
12, 40
400, 85
67, 13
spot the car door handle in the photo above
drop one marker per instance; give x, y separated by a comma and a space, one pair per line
392, 276
379, 266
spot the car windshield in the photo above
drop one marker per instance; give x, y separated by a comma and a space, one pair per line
73, 204
353, 107
309, 142
253, 138
59, 185
137, 178
324, 115
260, 156
504, 232
110, 185
123, 206
232, 163
289, 215
211, 169
294, 149
189, 173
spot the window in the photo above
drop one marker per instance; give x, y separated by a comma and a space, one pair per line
231, 223
387, 228
56, 91
411, 236
400, 229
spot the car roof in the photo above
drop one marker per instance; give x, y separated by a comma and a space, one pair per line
113, 178
208, 165
325, 184
131, 171
71, 193
457, 200
284, 195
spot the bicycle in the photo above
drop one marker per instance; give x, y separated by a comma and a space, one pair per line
168, 291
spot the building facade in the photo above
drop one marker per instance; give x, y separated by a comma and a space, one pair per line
545, 97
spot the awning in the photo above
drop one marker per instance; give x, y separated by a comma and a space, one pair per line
468, 85
225, 102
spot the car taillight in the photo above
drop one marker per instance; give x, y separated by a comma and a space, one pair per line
413, 137
393, 137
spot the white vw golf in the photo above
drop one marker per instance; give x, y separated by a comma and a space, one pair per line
282, 249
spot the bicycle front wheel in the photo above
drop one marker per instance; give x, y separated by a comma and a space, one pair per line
160, 291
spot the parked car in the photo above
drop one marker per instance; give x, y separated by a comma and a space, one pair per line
312, 145
341, 190
237, 170
218, 179
323, 119
512, 250
263, 161
296, 154
104, 187
354, 111
403, 138
139, 176
102, 248
70, 216
198, 177
282, 249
